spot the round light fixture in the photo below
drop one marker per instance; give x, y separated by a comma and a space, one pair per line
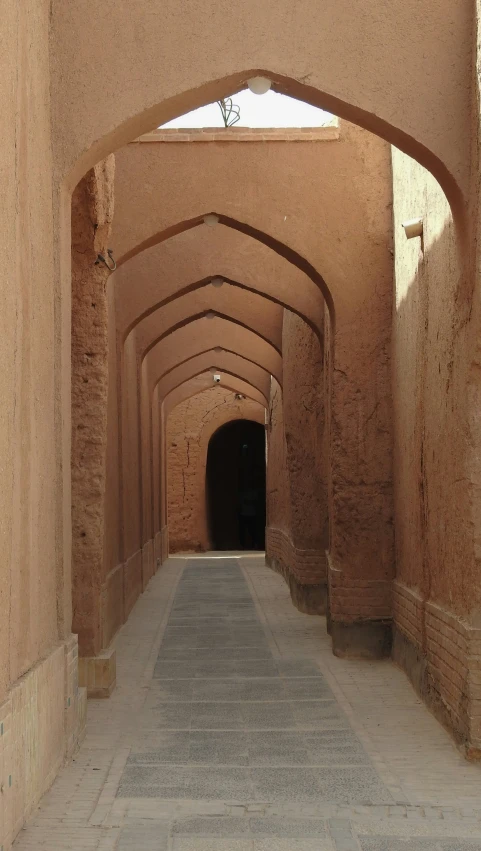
217, 282
259, 85
211, 220
210, 314
218, 350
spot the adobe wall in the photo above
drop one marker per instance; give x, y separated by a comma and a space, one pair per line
112, 573
92, 212
297, 489
190, 426
38, 653
437, 592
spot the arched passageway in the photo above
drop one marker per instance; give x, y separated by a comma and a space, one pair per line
236, 486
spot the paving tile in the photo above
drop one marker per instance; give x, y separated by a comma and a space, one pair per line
212, 826
288, 828
168, 782
203, 670
144, 837
214, 654
302, 749
339, 785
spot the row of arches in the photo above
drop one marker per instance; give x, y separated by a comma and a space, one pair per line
174, 325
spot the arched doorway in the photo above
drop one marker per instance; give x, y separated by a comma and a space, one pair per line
236, 486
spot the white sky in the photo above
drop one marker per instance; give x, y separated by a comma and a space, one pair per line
269, 110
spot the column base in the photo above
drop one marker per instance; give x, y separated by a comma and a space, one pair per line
308, 599
98, 674
367, 639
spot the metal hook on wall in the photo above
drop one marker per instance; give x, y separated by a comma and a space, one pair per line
101, 259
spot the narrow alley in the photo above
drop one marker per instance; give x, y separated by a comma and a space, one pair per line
234, 728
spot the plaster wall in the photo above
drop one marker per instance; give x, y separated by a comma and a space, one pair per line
420, 74
249, 309
223, 362
190, 426
204, 334
28, 583
184, 263
38, 656
437, 589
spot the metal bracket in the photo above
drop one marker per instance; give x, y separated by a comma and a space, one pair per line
101, 259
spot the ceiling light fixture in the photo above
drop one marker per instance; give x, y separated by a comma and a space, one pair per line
218, 350
259, 85
211, 220
210, 314
217, 282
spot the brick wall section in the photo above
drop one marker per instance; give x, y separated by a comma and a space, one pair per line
309, 567
352, 598
242, 134
408, 612
451, 649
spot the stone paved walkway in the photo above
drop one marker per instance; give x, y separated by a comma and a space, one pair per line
233, 728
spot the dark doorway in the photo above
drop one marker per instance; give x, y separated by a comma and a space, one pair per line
236, 486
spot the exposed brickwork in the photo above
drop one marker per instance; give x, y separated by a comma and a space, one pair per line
450, 650
309, 567
408, 612
243, 134
353, 598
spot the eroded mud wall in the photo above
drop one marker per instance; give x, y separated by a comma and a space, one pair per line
297, 533
92, 211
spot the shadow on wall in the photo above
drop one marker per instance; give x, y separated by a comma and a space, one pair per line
236, 487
